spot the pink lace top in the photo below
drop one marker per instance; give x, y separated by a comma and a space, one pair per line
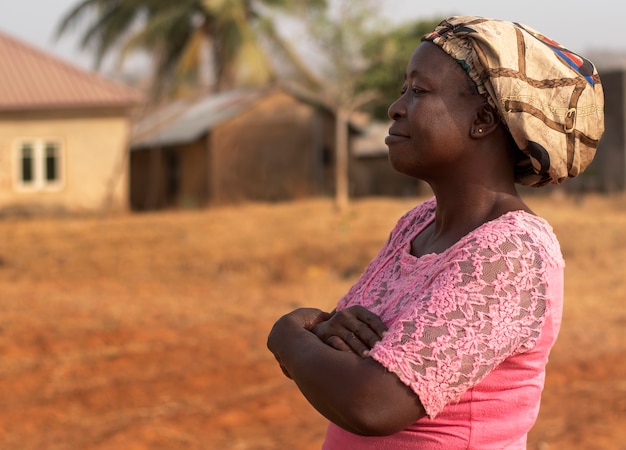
470, 330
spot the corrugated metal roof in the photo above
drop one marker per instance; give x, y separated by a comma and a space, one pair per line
31, 79
183, 122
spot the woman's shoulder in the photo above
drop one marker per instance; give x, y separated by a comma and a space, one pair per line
521, 229
526, 223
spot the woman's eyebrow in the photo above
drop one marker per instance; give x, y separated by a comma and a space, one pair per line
410, 75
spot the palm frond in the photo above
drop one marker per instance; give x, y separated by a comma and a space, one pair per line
292, 57
177, 32
251, 65
75, 16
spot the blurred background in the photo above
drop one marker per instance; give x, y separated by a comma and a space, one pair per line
174, 176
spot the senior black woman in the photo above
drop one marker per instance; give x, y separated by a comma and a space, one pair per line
443, 341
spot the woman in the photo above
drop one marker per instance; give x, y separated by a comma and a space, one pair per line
443, 341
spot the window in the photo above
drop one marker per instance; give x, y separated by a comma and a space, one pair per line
52, 162
27, 163
38, 164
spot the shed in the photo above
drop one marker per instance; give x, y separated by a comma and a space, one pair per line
371, 173
230, 147
607, 172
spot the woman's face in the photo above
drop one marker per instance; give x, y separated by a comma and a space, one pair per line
433, 117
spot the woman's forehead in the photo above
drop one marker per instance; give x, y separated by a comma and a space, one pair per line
429, 61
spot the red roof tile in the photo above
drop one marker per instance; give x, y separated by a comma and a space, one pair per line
31, 79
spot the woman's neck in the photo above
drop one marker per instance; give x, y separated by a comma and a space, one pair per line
459, 214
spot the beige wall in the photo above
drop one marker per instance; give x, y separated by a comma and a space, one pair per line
94, 163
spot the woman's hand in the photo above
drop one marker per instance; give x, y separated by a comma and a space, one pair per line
352, 329
318, 351
283, 329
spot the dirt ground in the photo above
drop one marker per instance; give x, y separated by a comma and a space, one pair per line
148, 331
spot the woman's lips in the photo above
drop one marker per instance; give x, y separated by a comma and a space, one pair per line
395, 138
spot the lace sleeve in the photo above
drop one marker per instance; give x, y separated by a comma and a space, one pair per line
482, 303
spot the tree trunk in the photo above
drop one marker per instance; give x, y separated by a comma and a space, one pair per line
208, 65
341, 159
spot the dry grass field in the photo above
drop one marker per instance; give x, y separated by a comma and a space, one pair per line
148, 331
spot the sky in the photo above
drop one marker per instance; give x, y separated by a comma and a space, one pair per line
576, 24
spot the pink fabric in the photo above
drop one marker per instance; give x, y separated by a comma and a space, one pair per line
470, 330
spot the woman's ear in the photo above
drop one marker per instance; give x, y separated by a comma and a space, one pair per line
485, 121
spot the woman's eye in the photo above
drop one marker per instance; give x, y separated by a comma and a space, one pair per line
414, 90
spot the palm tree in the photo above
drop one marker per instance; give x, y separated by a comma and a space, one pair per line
212, 44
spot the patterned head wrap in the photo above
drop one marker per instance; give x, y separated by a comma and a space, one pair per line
550, 99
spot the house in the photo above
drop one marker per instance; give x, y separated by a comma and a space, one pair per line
63, 135
607, 171
229, 147
371, 173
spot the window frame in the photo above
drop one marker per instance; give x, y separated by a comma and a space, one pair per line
39, 164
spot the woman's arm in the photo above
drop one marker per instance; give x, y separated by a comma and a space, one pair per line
354, 392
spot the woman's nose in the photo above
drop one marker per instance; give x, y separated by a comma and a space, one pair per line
396, 109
